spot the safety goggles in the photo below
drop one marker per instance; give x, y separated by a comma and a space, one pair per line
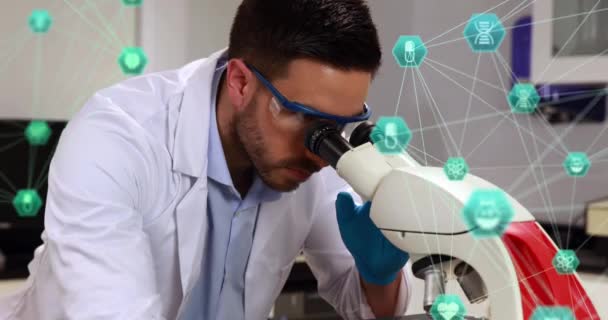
297, 114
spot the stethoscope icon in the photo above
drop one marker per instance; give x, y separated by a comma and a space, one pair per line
390, 136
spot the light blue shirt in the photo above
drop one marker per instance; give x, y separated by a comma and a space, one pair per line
231, 222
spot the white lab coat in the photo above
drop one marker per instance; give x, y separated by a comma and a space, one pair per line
125, 216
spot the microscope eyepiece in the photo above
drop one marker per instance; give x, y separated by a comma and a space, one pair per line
361, 134
324, 140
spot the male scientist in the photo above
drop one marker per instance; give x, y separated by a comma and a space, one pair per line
188, 194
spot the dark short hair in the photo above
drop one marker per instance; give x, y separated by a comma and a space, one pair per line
271, 33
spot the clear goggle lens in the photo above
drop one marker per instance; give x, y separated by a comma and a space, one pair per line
297, 121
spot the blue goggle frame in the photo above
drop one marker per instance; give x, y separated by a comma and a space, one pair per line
306, 110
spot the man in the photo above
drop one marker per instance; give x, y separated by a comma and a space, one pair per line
189, 193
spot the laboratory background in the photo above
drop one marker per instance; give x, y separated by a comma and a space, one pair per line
510, 91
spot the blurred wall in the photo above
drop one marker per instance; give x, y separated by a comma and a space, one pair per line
498, 147
50, 76
175, 32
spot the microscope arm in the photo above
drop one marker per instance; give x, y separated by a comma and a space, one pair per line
418, 210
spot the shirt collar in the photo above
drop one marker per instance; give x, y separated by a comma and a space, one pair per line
217, 168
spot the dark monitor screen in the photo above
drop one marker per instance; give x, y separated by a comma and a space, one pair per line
26, 149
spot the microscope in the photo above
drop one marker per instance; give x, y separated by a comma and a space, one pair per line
419, 210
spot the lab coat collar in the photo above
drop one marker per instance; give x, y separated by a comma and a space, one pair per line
190, 158
192, 132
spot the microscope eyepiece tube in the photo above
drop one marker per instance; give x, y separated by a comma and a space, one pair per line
362, 134
362, 167
324, 140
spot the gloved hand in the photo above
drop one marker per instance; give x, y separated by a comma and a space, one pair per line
377, 260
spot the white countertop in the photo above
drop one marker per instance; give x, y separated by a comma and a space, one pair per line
595, 284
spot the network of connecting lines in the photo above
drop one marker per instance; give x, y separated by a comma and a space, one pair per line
500, 121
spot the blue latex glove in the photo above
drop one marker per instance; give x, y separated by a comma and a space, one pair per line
377, 260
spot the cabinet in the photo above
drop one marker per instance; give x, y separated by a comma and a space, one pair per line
570, 41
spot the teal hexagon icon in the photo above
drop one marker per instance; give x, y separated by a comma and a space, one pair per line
577, 164
37, 133
487, 213
448, 307
456, 169
552, 313
523, 98
40, 21
132, 3
565, 261
27, 203
484, 32
391, 135
132, 60
409, 51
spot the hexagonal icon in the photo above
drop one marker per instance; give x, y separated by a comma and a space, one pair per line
523, 98
487, 213
38, 132
552, 313
132, 3
448, 307
391, 135
565, 262
27, 202
577, 164
40, 21
409, 51
484, 32
132, 60
456, 169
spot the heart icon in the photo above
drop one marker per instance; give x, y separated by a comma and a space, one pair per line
448, 310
